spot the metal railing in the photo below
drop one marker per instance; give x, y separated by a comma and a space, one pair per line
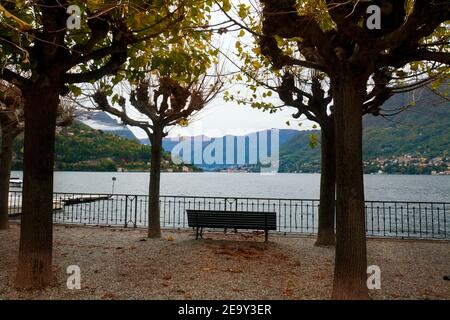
393, 219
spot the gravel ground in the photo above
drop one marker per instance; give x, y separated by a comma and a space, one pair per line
123, 264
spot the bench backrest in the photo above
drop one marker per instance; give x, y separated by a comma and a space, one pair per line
232, 219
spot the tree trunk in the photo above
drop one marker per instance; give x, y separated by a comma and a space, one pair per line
351, 259
154, 228
326, 236
35, 253
5, 174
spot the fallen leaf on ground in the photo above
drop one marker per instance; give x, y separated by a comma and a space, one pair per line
109, 295
288, 292
234, 270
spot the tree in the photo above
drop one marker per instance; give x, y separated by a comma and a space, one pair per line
56, 51
294, 84
317, 110
11, 123
171, 103
289, 87
332, 37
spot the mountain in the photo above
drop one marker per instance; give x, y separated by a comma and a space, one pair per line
228, 152
81, 148
100, 120
407, 142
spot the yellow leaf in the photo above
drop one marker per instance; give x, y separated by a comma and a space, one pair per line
256, 64
23, 25
226, 5
183, 122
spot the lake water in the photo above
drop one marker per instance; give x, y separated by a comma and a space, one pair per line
293, 186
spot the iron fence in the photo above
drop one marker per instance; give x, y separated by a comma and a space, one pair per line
393, 219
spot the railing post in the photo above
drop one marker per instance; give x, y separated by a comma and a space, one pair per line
395, 219
126, 211
135, 211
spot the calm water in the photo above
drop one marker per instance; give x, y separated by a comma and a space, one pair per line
296, 186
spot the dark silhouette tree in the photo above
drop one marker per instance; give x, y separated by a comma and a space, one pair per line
11, 125
165, 102
332, 37
298, 88
318, 109
46, 55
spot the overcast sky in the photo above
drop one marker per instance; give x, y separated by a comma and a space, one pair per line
220, 117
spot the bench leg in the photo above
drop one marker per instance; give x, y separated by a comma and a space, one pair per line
196, 234
266, 235
201, 233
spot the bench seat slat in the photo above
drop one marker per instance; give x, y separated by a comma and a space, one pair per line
232, 219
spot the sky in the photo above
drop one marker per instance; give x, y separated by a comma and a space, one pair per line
220, 117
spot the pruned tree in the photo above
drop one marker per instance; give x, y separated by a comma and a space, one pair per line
164, 102
47, 52
12, 124
351, 61
365, 62
305, 90
317, 109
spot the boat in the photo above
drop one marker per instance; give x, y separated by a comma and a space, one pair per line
15, 183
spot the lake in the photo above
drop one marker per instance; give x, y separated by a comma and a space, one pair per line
283, 185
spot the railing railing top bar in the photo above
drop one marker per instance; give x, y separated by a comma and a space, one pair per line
240, 197
393, 219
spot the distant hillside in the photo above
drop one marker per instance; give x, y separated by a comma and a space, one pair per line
81, 148
228, 157
420, 131
296, 155
102, 121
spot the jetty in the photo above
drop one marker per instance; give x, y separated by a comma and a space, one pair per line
76, 199
15, 206
15, 183
59, 201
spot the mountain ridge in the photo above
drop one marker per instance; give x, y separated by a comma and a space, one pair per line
419, 131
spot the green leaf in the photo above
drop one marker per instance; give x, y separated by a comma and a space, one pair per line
313, 141
226, 5
75, 90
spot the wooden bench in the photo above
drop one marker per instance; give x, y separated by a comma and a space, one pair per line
200, 219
